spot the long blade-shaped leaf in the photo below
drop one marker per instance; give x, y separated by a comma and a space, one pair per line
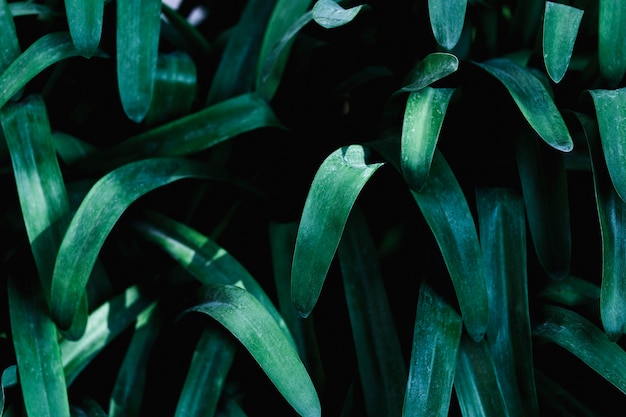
571, 291
544, 185
447, 213
503, 242
446, 20
612, 40
586, 341
45, 51
381, 366
533, 100
610, 105
423, 117
241, 314
335, 187
38, 357
10, 47
102, 207
560, 28
436, 338
432, 68
137, 36
84, 18
329, 14
208, 369
612, 216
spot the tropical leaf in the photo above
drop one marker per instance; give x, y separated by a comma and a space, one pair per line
560, 28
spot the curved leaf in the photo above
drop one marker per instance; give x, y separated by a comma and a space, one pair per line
436, 338
447, 213
423, 117
137, 36
612, 40
560, 28
433, 67
329, 14
335, 187
84, 18
533, 100
446, 20
241, 314
102, 207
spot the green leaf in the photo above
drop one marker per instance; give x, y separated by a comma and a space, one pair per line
288, 17
447, 213
71, 149
533, 100
612, 215
242, 314
571, 291
45, 51
612, 40
335, 187
102, 207
193, 40
586, 341
137, 36
423, 117
8, 380
610, 105
329, 14
38, 356
560, 28
436, 338
503, 242
10, 47
446, 20
544, 185
27, 8
84, 18
379, 356
211, 361
433, 67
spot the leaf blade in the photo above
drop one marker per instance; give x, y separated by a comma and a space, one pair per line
560, 28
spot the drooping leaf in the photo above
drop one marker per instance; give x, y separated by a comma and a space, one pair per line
137, 43
560, 28
544, 185
446, 20
102, 207
436, 338
38, 356
612, 215
533, 100
84, 18
379, 356
586, 341
612, 40
503, 242
433, 67
447, 213
423, 117
334, 189
242, 314
329, 14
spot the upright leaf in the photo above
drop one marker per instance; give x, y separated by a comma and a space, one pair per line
436, 338
335, 187
612, 40
84, 18
9, 47
560, 28
446, 20
137, 43
533, 100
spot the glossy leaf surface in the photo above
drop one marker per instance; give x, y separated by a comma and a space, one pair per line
433, 67
329, 14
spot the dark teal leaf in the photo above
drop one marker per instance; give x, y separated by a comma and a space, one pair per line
10, 47
335, 187
571, 291
611, 40
433, 67
560, 28
446, 20
84, 18
8, 380
329, 14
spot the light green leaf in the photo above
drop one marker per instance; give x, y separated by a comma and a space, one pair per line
423, 117
433, 67
379, 356
137, 36
447, 213
38, 356
612, 215
242, 314
586, 341
335, 187
446, 20
102, 207
503, 242
544, 186
533, 100
329, 14
560, 28
436, 338
612, 40
84, 18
